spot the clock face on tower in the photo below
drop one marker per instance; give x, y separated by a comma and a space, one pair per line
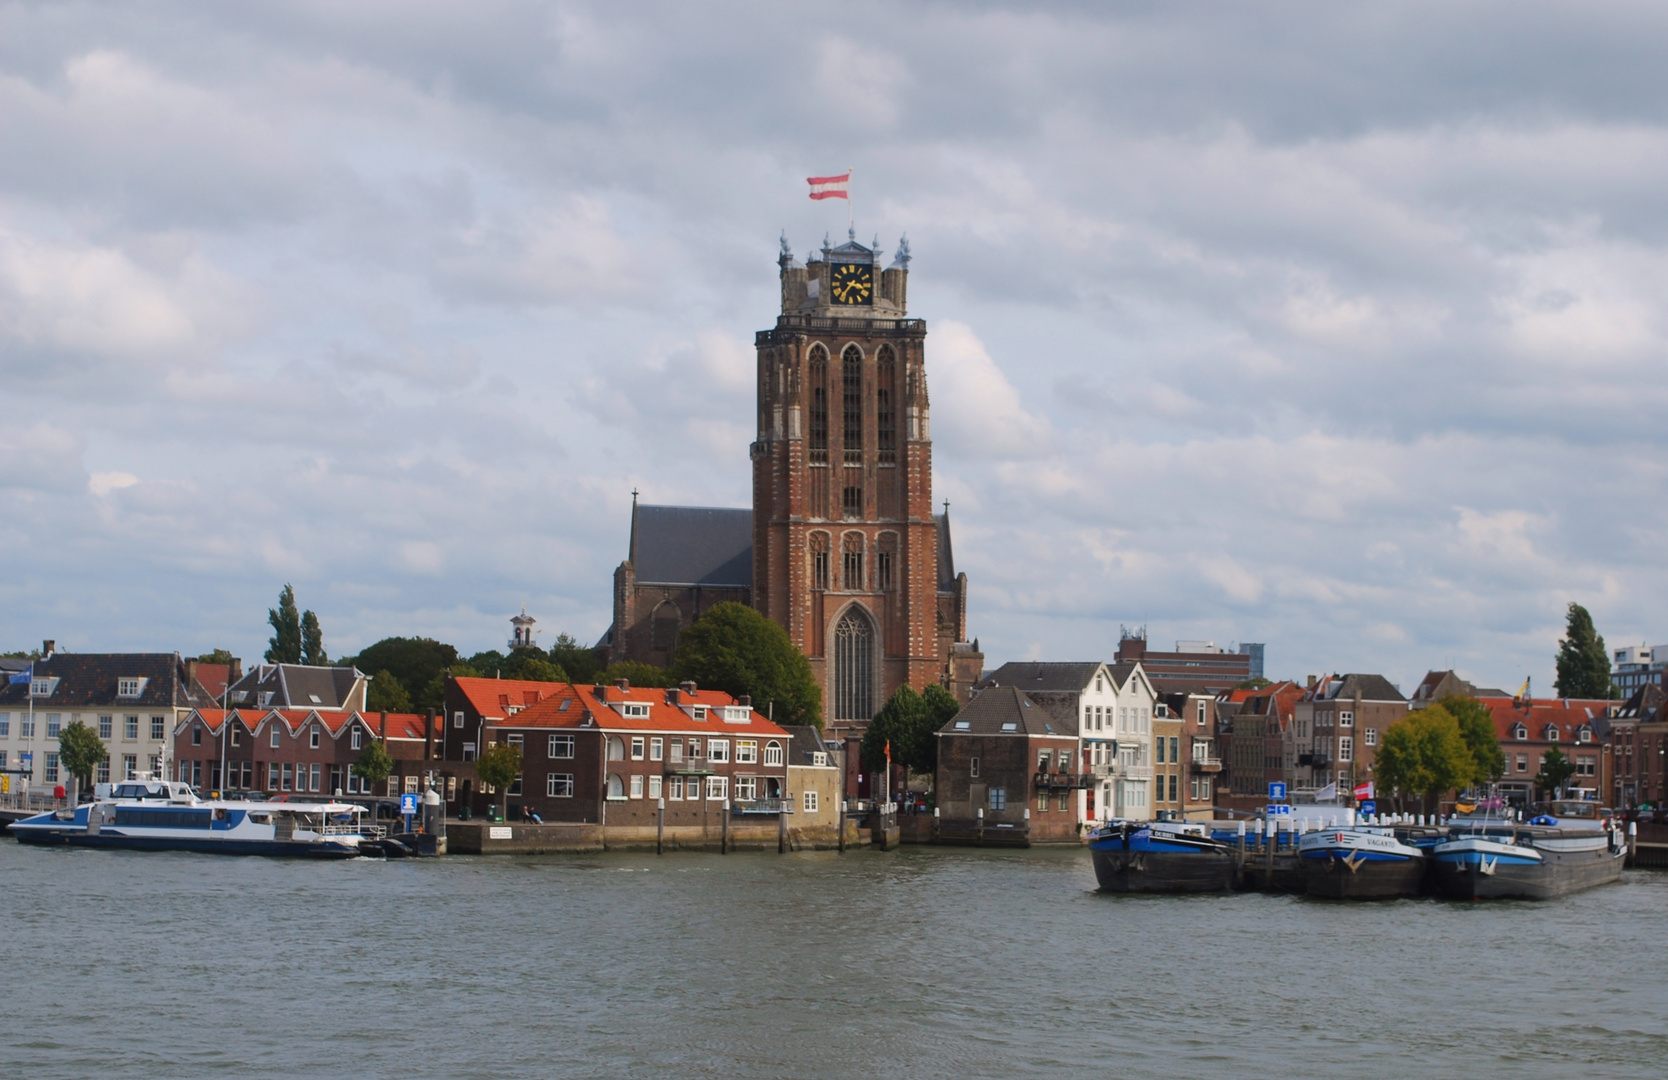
852, 283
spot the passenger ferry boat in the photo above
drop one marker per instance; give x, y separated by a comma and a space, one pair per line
164, 815
1366, 862
1554, 854
1161, 857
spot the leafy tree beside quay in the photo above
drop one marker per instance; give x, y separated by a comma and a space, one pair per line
80, 751
499, 766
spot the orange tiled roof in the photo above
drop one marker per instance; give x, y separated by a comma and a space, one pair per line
570, 707
494, 698
1565, 715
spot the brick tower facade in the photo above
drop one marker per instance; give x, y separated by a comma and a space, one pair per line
847, 554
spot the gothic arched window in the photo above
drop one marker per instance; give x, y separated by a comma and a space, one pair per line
851, 562
851, 380
666, 621
854, 666
819, 405
819, 560
886, 422
886, 560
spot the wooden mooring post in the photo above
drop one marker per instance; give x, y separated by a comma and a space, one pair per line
660, 827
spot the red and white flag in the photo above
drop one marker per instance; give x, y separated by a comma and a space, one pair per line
1364, 791
830, 187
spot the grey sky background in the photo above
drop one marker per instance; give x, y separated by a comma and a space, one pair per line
1336, 328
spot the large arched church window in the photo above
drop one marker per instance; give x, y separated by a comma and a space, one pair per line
819, 405
819, 560
664, 625
886, 417
851, 562
851, 381
854, 666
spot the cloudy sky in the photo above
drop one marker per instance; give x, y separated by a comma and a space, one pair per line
1338, 329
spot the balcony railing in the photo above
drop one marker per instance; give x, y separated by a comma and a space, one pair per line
1063, 780
1114, 770
762, 806
1207, 765
688, 767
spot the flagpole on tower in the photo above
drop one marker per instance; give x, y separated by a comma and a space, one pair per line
851, 219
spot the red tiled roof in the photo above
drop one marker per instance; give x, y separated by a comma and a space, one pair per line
1567, 716
492, 697
568, 710
396, 725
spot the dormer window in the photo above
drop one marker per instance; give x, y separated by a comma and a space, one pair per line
130, 687
698, 712
41, 688
1551, 733
737, 714
634, 711
1519, 732
1584, 734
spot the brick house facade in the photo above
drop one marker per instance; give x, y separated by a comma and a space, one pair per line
1007, 762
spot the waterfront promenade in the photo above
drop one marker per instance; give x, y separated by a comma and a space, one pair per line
923, 962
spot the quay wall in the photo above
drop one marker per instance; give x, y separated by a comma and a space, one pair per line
563, 838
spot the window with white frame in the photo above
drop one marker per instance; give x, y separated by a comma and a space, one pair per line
654, 787
54, 725
1346, 718
694, 749
674, 788
1346, 748
40, 688
159, 728
560, 746
313, 737
633, 711
636, 785
353, 737
747, 788
457, 719
558, 785
973, 767
718, 787
747, 751
128, 687
698, 712
718, 750
637, 748
1370, 736
51, 775
773, 753
657, 748
130, 727
130, 766
810, 802
106, 724
274, 740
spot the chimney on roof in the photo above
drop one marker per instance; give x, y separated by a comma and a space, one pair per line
48, 647
1312, 681
623, 684
673, 696
688, 686
601, 691
237, 669
428, 738
588, 717
745, 699
190, 672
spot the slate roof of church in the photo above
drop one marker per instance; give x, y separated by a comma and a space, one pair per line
694, 545
1043, 675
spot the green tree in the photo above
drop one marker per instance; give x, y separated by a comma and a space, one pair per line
414, 661
387, 694
216, 656
433, 695
499, 766
900, 723
285, 643
373, 764
1256, 683
1424, 754
733, 648
1556, 770
638, 673
80, 751
581, 662
1583, 662
538, 670
1476, 726
312, 641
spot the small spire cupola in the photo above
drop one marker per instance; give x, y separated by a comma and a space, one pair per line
522, 637
845, 281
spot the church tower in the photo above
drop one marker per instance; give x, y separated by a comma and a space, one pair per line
848, 556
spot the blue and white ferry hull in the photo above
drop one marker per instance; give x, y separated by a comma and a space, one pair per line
1358, 864
175, 821
1529, 864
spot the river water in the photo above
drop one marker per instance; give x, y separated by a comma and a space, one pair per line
922, 962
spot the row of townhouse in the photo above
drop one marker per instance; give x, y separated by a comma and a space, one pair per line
638, 758
1051, 747
302, 751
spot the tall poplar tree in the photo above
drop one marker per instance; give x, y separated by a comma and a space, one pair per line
1583, 662
312, 641
286, 630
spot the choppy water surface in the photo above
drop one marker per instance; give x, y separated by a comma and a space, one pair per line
919, 963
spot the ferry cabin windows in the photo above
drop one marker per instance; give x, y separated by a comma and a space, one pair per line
105, 725
130, 727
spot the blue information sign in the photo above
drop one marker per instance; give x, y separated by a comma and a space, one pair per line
1368, 807
1277, 810
408, 804
1276, 791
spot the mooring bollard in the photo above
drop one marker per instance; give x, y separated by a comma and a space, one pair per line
659, 826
